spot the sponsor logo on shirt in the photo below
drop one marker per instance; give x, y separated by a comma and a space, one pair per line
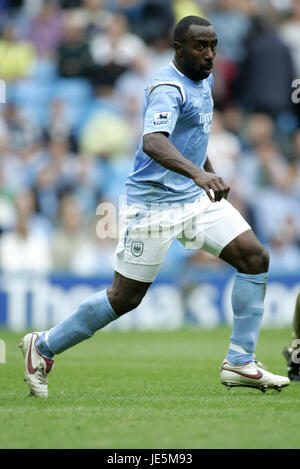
206, 119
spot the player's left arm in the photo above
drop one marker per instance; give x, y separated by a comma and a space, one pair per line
208, 166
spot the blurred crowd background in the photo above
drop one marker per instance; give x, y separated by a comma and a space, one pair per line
75, 71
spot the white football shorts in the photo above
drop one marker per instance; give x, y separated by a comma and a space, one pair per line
146, 234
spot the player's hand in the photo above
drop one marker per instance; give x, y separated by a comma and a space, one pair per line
214, 186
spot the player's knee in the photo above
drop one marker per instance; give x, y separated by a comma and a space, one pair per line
122, 303
261, 262
256, 262
265, 260
131, 303
128, 304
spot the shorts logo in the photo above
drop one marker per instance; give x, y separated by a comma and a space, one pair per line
137, 248
161, 118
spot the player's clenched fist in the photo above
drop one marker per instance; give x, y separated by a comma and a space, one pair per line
210, 182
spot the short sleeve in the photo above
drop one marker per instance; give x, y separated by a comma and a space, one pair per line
163, 109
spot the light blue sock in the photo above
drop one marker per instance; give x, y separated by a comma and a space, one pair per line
92, 314
248, 295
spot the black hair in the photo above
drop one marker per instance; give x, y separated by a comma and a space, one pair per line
182, 27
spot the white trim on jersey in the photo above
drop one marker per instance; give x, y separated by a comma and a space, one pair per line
170, 83
178, 71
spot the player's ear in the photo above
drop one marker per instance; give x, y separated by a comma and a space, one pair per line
178, 48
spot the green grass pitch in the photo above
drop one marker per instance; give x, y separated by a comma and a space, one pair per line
148, 390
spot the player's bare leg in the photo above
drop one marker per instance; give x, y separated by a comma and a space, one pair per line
292, 352
125, 293
246, 254
251, 259
94, 313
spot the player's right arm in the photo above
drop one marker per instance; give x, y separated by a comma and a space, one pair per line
165, 101
158, 146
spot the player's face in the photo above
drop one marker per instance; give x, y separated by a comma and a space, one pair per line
198, 51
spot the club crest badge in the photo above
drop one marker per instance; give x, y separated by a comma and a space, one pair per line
137, 248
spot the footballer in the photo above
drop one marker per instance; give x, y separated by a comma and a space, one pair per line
172, 170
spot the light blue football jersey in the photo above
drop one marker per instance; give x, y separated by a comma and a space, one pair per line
184, 109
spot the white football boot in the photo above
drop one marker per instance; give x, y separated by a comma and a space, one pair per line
37, 367
252, 375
